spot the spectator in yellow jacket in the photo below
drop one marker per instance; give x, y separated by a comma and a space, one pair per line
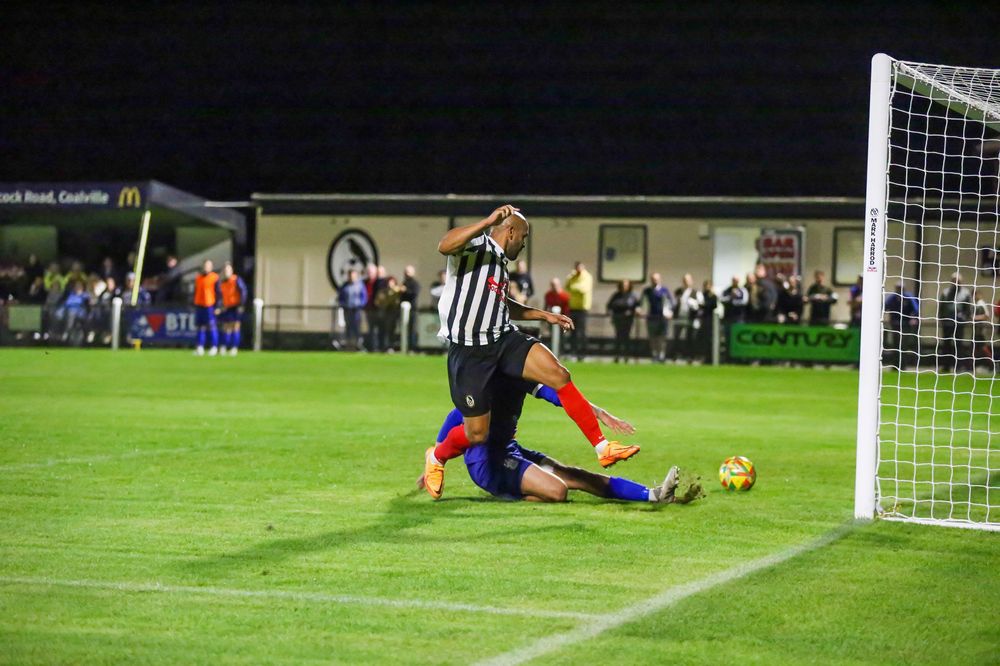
580, 285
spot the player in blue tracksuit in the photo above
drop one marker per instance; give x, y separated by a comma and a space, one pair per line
505, 469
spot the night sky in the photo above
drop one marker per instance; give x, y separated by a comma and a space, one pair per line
579, 98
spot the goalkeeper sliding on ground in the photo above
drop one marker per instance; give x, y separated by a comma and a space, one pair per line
503, 468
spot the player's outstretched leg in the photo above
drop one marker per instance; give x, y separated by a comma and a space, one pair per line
614, 487
540, 485
543, 367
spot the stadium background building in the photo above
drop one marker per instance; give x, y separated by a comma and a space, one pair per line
615, 237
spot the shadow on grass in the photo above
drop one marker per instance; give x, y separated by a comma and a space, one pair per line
404, 512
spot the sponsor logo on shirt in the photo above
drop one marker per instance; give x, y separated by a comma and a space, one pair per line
497, 287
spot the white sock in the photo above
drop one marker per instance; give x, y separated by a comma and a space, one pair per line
601, 447
652, 495
434, 458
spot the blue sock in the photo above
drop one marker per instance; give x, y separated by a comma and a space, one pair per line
629, 491
214, 332
236, 338
201, 337
226, 338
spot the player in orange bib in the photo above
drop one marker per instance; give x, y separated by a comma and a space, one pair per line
206, 298
234, 297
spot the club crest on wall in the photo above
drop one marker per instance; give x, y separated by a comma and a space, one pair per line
353, 249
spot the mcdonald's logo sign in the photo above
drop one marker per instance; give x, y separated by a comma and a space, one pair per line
130, 197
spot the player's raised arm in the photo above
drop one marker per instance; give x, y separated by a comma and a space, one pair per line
456, 239
524, 312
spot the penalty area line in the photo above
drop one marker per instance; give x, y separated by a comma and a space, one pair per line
292, 595
598, 625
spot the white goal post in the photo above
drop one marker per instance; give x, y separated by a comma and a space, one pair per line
928, 438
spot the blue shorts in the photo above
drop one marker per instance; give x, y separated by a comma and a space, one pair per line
498, 470
231, 315
204, 316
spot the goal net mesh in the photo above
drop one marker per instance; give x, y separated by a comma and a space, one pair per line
939, 420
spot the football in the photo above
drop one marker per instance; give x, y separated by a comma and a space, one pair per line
737, 473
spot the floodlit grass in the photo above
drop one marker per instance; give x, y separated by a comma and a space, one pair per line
158, 507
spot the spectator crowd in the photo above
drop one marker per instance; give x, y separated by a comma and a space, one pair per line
75, 299
75, 303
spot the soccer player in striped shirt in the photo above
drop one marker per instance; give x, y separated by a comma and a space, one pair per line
476, 313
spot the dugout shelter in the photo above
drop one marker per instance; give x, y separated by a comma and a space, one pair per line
86, 221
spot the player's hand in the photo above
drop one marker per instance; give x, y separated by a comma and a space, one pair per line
218, 312
560, 320
501, 214
615, 423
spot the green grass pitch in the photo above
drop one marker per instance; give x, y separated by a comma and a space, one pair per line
161, 508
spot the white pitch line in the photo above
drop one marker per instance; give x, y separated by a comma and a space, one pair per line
604, 623
136, 453
293, 595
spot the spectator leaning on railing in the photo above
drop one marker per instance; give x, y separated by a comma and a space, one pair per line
556, 296
353, 297
75, 308
661, 305
955, 311
767, 295
735, 300
903, 312
387, 301
522, 288
622, 307
709, 304
411, 293
790, 300
821, 299
689, 304
53, 276
857, 290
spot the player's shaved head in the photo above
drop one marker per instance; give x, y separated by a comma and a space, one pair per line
515, 220
511, 234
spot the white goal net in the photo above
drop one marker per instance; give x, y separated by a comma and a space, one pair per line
929, 406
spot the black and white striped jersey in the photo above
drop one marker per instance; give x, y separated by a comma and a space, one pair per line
473, 305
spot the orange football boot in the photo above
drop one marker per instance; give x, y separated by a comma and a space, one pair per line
433, 477
615, 452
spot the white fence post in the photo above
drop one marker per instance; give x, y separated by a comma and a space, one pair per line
116, 322
258, 324
556, 333
716, 336
404, 326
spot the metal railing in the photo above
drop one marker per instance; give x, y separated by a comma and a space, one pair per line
292, 326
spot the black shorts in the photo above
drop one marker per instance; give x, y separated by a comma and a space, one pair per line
471, 369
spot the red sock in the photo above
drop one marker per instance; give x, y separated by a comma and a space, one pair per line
581, 412
453, 445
